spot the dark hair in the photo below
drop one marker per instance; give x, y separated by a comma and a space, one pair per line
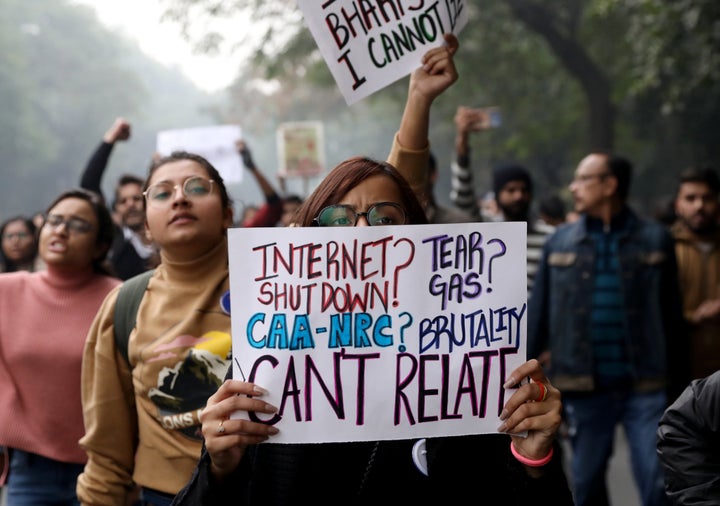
553, 207
346, 176
293, 199
212, 173
621, 169
7, 265
705, 175
503, 174
125, 180
106, 227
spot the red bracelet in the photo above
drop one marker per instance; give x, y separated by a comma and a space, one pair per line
530, 462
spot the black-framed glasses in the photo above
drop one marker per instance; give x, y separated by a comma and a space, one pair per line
75, 225
340, 215
161, 194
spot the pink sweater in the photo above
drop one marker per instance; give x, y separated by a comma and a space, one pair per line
44, 320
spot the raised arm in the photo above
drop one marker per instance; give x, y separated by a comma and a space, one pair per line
91, 177
269, 214
462, 192
411, 147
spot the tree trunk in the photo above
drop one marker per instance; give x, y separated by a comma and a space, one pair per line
595, 84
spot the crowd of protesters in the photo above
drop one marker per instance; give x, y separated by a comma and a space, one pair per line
623, 325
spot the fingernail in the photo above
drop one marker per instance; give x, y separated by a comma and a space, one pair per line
273, 430
504, 414
259, 390
510, 382
269, 408
502, 427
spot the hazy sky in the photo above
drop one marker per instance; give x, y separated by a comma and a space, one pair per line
140, 20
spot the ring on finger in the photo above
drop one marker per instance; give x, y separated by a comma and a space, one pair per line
543, 392
220, 428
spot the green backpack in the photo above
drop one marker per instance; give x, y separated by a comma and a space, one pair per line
126, 308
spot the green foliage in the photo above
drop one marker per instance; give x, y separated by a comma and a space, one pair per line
675, 46
565, 74
63, 80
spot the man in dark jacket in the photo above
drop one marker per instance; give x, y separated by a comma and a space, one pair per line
606, 319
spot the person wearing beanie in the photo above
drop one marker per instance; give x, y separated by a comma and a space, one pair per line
505, 173
513, 189
512, 186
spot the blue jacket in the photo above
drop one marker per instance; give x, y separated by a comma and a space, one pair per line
560, 306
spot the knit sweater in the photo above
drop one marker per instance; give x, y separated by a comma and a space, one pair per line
44, 320
143, 426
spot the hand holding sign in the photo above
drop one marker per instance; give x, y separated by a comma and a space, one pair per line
368, 45
437, 72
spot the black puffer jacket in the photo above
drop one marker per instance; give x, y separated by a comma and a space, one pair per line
689, 444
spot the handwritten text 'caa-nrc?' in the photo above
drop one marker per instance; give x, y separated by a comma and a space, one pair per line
415, 324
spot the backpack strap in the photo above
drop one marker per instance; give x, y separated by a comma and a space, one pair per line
128, 301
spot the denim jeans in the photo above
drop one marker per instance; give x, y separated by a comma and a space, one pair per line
152, 497
592, 419
35, 480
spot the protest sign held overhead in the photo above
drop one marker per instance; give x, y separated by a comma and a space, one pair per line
301, 148
215, 143
371, 333
369, 44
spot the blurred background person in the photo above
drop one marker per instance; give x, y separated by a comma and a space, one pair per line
551, 210
437, 213
697, 245
132, 251
270, 212
19, 250
45, 319
291, 203
512, 188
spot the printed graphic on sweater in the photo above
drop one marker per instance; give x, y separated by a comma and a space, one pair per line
182, 390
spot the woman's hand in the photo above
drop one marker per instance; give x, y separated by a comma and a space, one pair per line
437, 72
226, 439
527, 410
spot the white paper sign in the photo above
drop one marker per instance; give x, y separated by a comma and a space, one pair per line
373, 333
215, 143
369, 44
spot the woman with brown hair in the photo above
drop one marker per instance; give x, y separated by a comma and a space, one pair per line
236, 470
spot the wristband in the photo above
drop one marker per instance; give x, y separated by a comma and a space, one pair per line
530, 462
